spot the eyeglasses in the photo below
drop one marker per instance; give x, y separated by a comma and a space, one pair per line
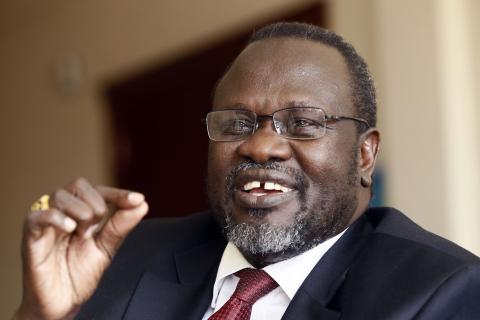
300, 123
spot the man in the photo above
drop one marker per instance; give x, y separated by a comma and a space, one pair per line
293, 147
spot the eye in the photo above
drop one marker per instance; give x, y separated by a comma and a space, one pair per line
305, 123
237, 126
304, 127
240, 124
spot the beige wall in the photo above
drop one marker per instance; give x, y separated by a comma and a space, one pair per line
459, 96
424, 56
48, 136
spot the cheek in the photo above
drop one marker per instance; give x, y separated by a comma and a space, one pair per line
324, 161
220, 157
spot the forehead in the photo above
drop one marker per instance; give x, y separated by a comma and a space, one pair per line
275, 73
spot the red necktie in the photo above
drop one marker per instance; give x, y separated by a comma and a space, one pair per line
253, 285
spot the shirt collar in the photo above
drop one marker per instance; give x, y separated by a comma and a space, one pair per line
289, 274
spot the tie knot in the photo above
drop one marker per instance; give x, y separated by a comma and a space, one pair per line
253, 285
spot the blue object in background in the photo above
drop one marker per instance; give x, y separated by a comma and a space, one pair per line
378, 190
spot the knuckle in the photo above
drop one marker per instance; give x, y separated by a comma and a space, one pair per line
78, 185
58, 195
85, 214
35, 217
100, 211
80, 181
32, 216
49, 216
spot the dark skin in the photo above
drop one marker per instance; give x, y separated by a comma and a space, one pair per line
277, 73
64, 251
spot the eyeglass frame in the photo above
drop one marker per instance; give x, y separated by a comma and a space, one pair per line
261, 118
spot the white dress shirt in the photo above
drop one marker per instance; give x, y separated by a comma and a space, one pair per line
289, 274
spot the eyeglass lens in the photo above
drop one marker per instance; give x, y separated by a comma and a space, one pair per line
293, 123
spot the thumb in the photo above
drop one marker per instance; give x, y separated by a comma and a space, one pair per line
120, 198
130, 209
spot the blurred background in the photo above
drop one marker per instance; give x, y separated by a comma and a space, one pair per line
91, 88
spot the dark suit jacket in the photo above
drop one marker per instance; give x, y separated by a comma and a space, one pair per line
383, 267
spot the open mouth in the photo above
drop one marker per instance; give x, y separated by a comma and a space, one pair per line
257, 188
263, 189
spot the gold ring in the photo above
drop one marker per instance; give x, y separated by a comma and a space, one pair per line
41, 204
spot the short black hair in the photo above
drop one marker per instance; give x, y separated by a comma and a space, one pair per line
363, 87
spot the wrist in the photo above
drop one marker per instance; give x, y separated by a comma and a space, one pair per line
27, 312
24, 313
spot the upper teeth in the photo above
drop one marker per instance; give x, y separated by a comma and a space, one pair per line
268, 185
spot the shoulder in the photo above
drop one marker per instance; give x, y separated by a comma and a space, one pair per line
152, 244
169, 235
412, 271
396, 229
194, 226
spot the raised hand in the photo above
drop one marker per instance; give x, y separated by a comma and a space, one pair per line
67, 247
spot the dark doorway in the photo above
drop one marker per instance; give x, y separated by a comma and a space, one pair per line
160, 142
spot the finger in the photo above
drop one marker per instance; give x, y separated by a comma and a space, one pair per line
124, 199
75, 208
38, 221
119, 225
83, 190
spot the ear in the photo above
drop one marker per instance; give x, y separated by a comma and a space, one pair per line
369, 146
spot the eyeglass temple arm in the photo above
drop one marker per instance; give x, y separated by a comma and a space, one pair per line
339, 118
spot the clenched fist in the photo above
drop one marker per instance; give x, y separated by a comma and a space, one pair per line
67, 247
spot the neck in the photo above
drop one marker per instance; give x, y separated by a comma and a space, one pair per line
262, 260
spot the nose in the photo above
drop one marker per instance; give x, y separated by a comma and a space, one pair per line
265, 145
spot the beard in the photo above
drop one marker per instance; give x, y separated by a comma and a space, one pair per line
326, 214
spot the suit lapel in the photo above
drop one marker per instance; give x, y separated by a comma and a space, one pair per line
316, 298
185, 296
188, 294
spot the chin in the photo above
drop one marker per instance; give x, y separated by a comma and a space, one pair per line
263, 238
258, 232
268, 216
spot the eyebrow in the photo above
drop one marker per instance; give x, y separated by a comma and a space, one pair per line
296, 104
236, 106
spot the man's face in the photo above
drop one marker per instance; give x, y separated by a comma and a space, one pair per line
318, 177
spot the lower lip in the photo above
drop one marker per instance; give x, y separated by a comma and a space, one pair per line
250, 201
